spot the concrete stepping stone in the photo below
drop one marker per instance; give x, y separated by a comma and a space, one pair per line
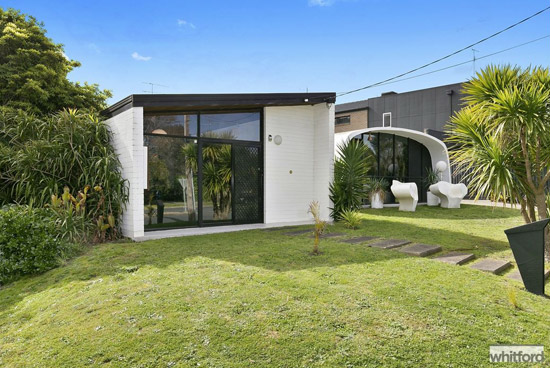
515, 275
455, 258
360, 239
389, 243
494, 266
298, 232
329, 235
420, 250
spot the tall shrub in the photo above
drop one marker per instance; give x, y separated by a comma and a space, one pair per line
350, 177
39, 156
502, 137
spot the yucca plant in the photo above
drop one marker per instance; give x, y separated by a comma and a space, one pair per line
350, 177
351, 219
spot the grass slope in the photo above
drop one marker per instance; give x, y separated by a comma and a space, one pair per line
257, 298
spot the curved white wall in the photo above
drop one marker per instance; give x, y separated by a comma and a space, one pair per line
437, 149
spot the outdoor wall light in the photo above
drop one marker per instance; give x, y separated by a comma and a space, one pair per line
159, 131
278, 140
270, 138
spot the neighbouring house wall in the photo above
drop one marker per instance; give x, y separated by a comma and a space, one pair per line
306, 132
127, 134
358, 120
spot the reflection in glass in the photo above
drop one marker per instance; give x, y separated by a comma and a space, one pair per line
171, 194
243, 126
216, 182
182, 125
401, 168
386, 166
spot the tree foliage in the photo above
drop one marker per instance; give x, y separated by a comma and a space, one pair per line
39, 156
34, 69
502, 137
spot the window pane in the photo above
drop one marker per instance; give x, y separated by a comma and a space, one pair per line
171, 198
342, 120
184, 125
242, 126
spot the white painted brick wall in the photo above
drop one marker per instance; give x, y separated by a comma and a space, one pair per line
127, 134
307, 150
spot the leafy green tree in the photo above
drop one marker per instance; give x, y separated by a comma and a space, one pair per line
33, 70
502, 137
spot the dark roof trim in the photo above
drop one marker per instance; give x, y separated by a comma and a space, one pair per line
344, 111
181, 101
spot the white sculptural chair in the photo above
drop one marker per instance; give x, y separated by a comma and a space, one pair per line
406, 194
450, 194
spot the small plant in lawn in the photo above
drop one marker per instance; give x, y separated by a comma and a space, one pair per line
320, 225
351, 219
513, 299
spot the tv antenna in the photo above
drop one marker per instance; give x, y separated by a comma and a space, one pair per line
153, 86
474, 59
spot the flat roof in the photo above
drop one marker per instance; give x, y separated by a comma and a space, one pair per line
167, 102
364, 104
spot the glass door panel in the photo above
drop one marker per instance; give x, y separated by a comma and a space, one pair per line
217, 180
248, 183
171, 196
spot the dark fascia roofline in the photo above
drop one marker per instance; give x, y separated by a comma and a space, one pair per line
190, 101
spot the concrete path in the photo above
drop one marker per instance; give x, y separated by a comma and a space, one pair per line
455, 258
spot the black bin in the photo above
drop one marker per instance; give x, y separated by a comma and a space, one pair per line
527, 243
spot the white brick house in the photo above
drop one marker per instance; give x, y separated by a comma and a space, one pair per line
203, 160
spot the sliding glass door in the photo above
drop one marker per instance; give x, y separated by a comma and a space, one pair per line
203, 169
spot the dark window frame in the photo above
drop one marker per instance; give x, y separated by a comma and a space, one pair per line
202, 140
336, 123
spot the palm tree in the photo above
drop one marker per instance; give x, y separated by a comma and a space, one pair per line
502, 137
350, 177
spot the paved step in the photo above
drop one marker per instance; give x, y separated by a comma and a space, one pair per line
494, 266
389, 243
298, 232
329, 235
455, 258
515, 275
420, 250
360, 239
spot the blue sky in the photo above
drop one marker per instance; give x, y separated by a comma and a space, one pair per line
246, 46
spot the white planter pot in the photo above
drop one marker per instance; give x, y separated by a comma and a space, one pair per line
375, 201
433, 200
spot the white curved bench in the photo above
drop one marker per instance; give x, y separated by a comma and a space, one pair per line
450, 194
406, 194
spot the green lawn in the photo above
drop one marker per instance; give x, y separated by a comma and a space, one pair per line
259, 299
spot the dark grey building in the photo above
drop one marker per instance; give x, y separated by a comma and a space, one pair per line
426, 110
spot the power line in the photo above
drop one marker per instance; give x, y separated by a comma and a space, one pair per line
464, 62
448, 55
